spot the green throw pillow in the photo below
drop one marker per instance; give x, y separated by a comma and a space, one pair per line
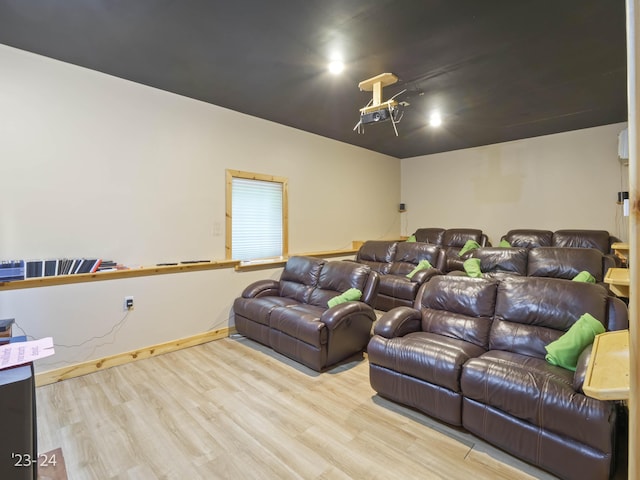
472, 267
504, 244
470, 245
412, 238
350, 295
422, 265
584, 276
564, 351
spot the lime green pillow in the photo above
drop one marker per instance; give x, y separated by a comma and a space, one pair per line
504, 244
472, 267
470, 245
422, 265
351, 295
564, 351
412, 238
584, 276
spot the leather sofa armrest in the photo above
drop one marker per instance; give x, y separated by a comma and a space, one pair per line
618, 314
581, 369
610, 260
371, 288
261, 288
336, 316
398, 321
422, 276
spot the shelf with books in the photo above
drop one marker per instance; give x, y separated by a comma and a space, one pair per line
109, 270
113, 274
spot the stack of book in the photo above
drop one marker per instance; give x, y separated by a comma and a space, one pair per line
21, 269
11, 270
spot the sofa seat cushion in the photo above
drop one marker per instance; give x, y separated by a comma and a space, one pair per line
259, 309
429, 357
301, 322
530, 389
398, 287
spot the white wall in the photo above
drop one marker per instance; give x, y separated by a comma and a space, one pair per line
93, 165
567, 180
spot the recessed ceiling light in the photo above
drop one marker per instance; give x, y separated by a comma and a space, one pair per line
435, 119
336, 66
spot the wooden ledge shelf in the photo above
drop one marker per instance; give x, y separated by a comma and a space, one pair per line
115, 274
159, 270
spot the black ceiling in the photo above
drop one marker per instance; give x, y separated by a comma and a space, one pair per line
497, 70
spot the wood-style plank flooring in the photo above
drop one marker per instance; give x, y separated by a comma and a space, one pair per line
233, 409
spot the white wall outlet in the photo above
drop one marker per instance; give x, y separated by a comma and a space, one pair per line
128, 303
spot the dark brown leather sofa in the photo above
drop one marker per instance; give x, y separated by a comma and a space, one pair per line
393, 261
451, 241
471, 353
555, 262
291, 314
530, 238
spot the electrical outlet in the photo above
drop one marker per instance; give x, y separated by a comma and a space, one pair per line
128, 303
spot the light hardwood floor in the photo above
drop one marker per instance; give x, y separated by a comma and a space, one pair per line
233, 409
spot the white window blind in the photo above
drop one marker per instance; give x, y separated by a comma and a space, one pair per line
256, 215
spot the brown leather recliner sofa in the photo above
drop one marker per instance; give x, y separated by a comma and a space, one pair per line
393, 261
598, 239
530, 238
555, 262
291, 314
471, 353
452, 241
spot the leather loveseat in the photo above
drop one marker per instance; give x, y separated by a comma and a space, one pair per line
291, 315
471, 353
555, 262
393, 261
451, 241
530, 238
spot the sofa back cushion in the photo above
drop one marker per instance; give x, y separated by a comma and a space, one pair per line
409, 254
337, 277
532, 312
299, 277
598, 239
529, 238
459, 307
560, 262
502, 260
457, 237
378, 254
429, 235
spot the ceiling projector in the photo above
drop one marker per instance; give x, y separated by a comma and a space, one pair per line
377, 111
376, 116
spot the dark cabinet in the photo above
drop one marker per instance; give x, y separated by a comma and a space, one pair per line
18, 440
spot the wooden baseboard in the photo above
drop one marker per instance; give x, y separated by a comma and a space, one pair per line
91, 366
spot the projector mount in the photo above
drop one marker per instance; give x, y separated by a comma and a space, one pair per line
376, 110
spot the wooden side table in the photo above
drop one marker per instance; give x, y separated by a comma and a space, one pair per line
618, 280
607, 376
621, 250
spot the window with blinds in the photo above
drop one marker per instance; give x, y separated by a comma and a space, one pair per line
256, 216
